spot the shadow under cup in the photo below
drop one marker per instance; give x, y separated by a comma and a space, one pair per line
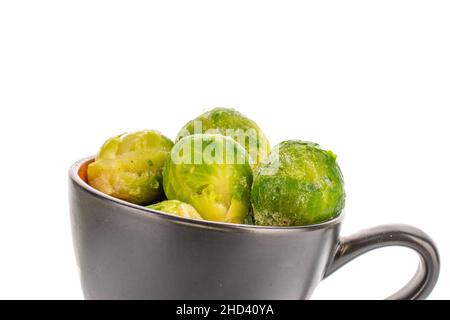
125, 251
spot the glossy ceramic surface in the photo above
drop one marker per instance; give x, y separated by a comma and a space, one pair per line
125, 251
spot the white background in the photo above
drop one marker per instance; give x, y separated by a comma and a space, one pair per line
368, 79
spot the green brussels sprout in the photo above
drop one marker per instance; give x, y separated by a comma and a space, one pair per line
229, 122
212, 173
177, 208
129, 166
297, 184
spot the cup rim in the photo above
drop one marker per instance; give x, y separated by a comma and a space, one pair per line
143, 211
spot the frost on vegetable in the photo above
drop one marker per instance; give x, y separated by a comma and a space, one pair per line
297, 184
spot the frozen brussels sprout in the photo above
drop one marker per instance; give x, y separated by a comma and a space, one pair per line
177, 208
212, 173
297, 184
129, 166
234, 124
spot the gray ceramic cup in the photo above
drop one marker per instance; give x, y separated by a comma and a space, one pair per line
125, 251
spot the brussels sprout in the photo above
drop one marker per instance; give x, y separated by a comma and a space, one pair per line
232, 123
212, 173
297, 184
177, 208
129, 166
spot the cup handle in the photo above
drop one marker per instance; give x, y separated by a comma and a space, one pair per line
423, 282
